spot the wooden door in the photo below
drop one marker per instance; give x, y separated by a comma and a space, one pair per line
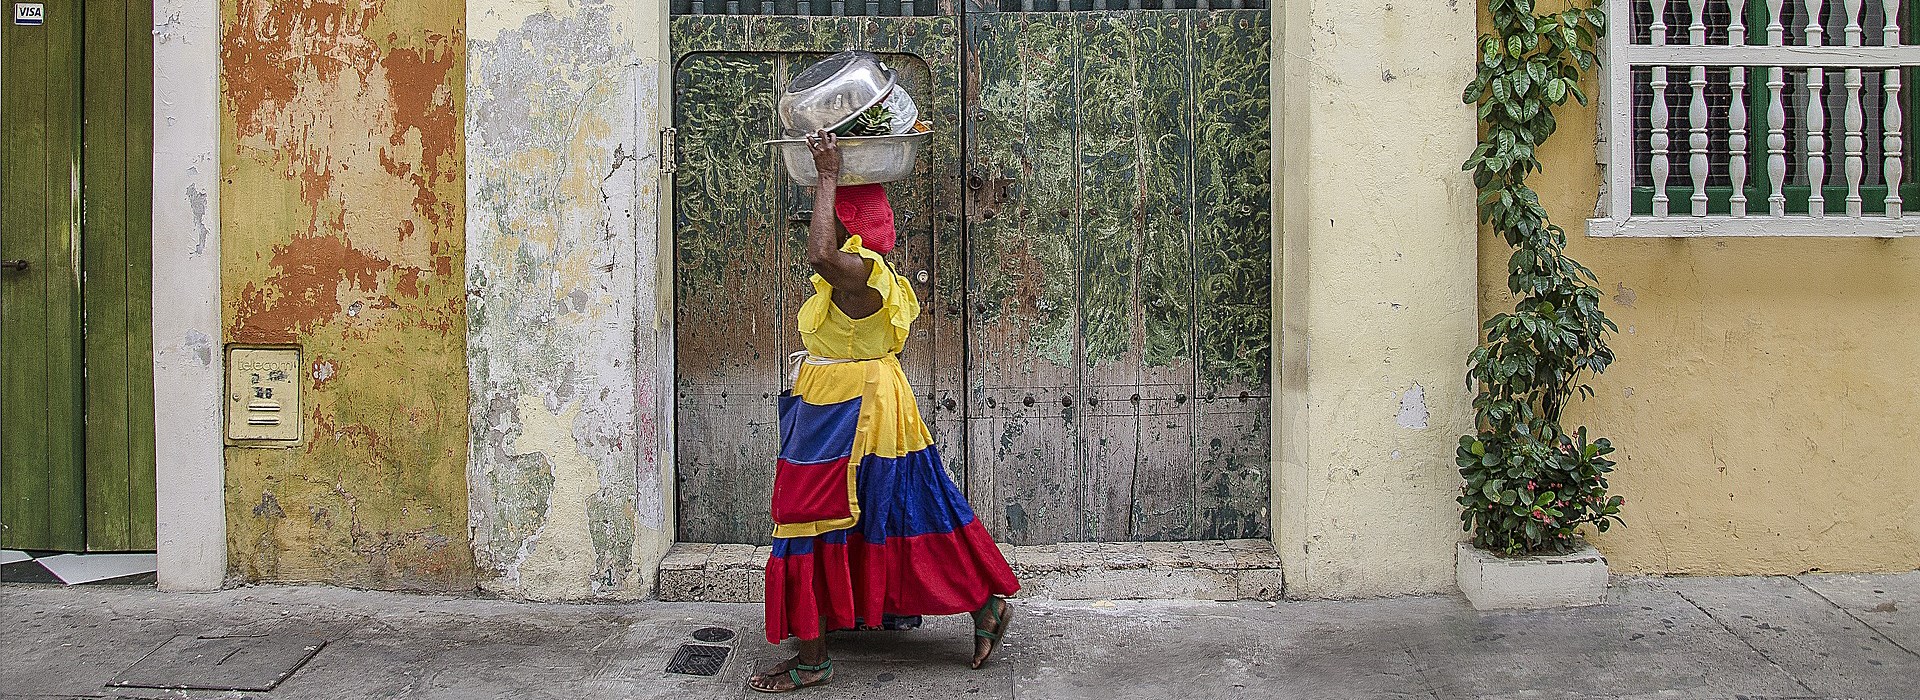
42, 469
1119, 274
76, 390
740, 267
1098, 322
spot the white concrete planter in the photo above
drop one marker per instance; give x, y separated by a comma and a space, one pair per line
1495, 583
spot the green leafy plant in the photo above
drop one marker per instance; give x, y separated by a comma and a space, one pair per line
876, 121
1529, 482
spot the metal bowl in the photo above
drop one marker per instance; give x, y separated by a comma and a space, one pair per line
863, 159
835, 90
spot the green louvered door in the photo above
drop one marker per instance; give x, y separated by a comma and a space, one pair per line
1118, 261
76, 366
1093, 226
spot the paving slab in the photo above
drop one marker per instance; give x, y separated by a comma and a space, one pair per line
1802, 633
1889, 603
1645, 638
1153, 650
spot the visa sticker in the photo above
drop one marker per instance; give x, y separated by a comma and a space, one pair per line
31, 14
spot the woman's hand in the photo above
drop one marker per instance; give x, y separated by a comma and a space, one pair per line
826, 153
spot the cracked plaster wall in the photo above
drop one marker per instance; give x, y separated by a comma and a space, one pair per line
567, 342
341, 206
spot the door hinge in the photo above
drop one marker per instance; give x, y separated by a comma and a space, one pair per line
669, 156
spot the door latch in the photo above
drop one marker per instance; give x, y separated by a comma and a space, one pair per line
669, 157
20, 265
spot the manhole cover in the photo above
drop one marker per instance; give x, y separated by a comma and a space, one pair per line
698, 659
256, 662
713, 634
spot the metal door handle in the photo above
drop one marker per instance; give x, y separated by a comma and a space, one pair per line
20, 265
804, 216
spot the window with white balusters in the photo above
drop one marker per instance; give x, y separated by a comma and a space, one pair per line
1760, 118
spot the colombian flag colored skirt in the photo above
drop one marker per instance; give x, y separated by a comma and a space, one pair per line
866, 521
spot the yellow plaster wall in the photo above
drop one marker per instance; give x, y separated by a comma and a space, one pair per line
1766, 398
1376, 294
342, 230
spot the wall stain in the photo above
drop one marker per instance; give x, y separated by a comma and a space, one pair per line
342, 210
560, 461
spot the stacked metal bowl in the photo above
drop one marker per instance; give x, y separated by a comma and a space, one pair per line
830, 95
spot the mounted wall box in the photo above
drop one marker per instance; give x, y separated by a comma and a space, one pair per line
263, 396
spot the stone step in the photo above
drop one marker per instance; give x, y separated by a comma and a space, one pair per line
1205, 570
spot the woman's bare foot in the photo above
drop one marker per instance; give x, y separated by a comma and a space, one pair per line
808, 668
989, 627
791, 675
779, 669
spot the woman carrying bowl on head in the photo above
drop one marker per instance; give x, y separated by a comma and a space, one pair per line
866, 522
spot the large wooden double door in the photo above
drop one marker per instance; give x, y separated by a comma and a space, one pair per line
1089, 236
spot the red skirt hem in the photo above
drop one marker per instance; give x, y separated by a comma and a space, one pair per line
836, 578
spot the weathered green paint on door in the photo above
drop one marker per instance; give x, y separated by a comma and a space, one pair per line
740, 265
76, 425
1104, 318
42, 472
1118, 251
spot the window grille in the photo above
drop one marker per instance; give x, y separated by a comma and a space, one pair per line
1760, 117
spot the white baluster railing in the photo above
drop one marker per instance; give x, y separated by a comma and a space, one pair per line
1776, 115
1737, 122
1697, 165
1833, 118
1891, 143
1816, 121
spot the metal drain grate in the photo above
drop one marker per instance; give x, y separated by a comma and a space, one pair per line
713, 634
698, 659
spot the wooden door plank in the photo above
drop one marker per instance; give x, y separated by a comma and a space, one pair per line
105, 294
40, 393
1166, 476
1232, 270
142, 475
1111, 205
1022, 338
25, 478
729, 322
935, 41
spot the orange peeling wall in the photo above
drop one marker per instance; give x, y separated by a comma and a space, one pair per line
342, 231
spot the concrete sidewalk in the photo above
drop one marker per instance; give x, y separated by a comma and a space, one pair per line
1785, 637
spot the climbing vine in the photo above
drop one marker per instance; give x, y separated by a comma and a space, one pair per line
1529, 482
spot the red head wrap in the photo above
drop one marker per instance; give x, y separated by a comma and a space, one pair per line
864, 210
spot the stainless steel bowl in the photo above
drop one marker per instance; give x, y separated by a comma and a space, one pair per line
832, 92
863, 159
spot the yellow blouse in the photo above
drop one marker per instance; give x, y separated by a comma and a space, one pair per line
828, 332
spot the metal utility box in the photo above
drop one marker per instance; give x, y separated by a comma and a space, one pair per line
263, 395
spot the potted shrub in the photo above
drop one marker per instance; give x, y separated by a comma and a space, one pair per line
1529, 483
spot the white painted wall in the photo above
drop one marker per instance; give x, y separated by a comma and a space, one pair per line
187, 360
569, 305
1376, 303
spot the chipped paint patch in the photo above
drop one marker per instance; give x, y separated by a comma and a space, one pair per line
557, 270
342, 217
1413, 409
559, 559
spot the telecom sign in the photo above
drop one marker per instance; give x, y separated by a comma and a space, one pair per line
31, 14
